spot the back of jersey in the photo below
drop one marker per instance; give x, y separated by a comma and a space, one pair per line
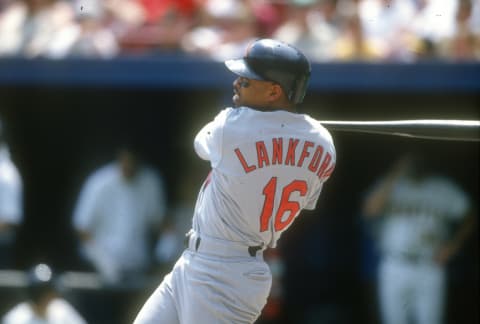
267, 167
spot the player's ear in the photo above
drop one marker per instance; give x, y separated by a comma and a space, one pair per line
275, 92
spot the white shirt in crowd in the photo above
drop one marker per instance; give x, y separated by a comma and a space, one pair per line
119, 213
10, 189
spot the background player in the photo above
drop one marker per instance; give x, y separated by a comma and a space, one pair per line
11, 203
422, 220
120, 206
268, 163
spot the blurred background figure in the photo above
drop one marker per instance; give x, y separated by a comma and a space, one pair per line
386, 22
164, 25
171, 242
464, 43
44, 304
225, 28
11, 203
35, 28
432, 21
90, 36
353, 42
117, 217
421, 221
312, 26
268, 15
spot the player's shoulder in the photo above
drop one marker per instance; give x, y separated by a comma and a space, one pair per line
102, 176
8, 169
105, 172
441, 182
318, 127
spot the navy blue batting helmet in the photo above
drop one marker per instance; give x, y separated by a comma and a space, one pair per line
276, 61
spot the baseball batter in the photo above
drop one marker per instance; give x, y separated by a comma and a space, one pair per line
268, 163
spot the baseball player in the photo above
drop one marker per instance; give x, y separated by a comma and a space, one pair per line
422, 220
268, 163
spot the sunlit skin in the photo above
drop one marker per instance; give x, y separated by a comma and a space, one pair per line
259, 94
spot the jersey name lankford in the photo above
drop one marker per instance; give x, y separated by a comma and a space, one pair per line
288, 151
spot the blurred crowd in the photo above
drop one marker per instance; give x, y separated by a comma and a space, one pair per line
326, 30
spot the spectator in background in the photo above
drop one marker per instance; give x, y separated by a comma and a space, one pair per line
386, 22
11, 207
227, 27
90, 37
464, 44
421, 221
44, 305
35, 28
121, 16
120, 207
353, 44
268, 15
432, 21
166, 22
312, 26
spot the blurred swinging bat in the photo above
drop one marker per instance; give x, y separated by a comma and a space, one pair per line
436, 129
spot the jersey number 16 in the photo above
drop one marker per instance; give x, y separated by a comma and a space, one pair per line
285, 206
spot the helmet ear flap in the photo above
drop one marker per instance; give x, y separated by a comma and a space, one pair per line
298, 90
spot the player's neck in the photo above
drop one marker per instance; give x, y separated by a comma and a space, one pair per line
277, 105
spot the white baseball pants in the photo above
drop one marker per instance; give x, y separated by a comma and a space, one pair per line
218, 283
411, 291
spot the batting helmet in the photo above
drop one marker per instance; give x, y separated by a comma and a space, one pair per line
276, 61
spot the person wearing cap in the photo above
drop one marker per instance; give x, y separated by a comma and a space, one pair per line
44, 305
268, 162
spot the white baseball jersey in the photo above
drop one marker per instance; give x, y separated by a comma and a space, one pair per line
418, 222
266, 168
118, 214
419, 216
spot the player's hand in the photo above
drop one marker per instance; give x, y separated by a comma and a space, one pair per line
445, 253
84, 236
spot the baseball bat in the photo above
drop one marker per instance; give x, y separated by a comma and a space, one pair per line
436, 129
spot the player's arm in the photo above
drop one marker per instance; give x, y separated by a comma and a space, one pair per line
462, 233
208, 142
377, 200
84, 212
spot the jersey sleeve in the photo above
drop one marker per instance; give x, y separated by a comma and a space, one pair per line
208, 142
313, 198
315, 193
84, 212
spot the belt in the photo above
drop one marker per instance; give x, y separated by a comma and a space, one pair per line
218, 247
